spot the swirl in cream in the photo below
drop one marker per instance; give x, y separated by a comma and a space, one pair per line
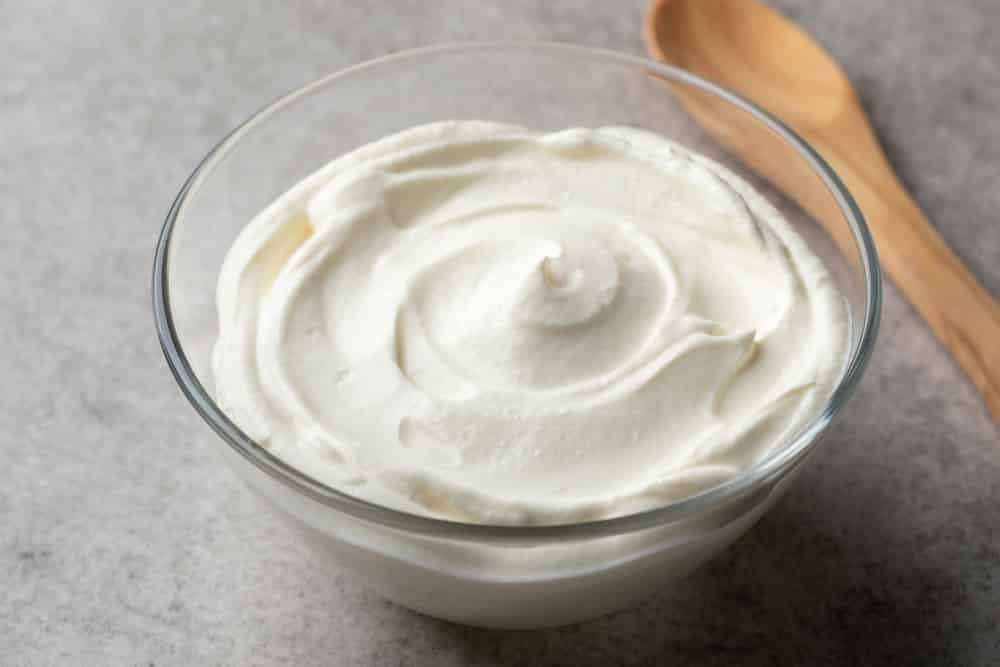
476, 321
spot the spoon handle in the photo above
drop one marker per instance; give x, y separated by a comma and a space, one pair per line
959, 310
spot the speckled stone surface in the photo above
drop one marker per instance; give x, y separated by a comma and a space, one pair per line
124, 541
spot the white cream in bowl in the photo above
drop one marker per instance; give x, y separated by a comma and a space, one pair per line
479, 322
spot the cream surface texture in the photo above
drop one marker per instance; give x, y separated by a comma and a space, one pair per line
479, 322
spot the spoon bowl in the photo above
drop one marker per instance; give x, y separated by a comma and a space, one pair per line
722, 39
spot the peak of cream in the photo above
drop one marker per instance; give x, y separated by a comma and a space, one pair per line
476, 321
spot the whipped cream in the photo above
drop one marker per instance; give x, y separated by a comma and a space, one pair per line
475, 321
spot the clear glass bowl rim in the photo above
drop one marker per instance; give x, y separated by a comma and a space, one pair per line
762, 472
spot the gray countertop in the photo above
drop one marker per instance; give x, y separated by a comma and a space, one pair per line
123, 540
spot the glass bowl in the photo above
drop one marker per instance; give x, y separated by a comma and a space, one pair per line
497, 576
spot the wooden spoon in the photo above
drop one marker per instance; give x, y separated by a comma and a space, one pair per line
756, 52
